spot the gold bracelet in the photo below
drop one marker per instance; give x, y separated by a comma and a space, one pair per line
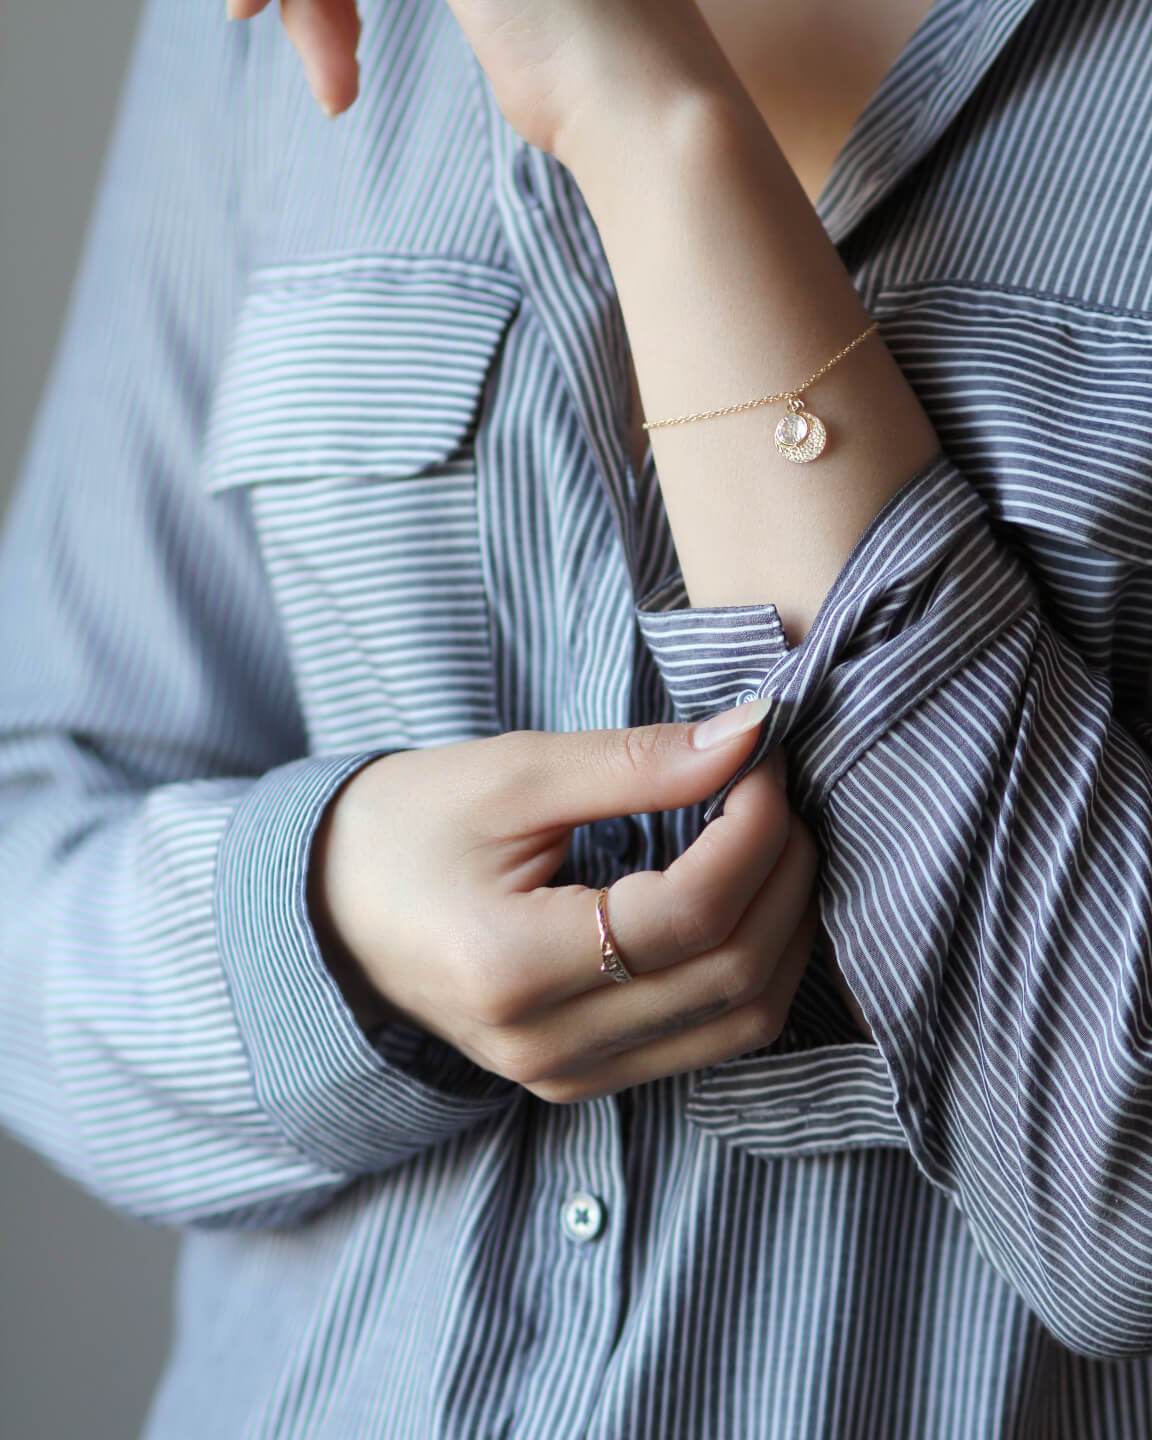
800, 435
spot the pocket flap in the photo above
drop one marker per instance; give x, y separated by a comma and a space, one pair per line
373, 366
1043, 400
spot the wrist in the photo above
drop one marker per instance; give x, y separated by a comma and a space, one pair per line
368, 1006
638, 90
680, 132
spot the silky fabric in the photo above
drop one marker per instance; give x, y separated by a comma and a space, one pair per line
333, 464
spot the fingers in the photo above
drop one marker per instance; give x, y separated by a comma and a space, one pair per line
325, 34
567, 778
773, 939
698, 1044
657, 919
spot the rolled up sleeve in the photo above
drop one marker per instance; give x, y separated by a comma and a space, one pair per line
349, 1099
984, 815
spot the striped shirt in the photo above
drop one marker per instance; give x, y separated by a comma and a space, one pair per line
333, 463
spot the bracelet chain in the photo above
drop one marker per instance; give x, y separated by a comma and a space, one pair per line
765, 399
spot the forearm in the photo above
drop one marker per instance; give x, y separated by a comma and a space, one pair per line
730, 288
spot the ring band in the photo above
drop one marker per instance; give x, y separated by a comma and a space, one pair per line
611, 960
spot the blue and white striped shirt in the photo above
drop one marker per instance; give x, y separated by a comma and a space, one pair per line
333, 463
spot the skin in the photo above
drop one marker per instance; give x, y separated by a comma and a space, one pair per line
466, 937
718, 942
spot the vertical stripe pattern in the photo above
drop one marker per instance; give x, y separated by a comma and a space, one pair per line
332, 463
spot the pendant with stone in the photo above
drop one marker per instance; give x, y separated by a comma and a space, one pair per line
800, 435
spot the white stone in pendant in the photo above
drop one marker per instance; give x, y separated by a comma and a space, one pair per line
791, 430
800, 436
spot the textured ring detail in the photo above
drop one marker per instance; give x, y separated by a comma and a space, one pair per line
611, 960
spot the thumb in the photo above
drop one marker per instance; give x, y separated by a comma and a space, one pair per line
596, 774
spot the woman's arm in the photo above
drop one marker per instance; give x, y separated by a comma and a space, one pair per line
731, 288
985, 818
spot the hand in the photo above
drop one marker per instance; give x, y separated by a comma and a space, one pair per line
431, 872
545, 59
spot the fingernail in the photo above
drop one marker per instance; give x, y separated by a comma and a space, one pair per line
720, 729
328, 108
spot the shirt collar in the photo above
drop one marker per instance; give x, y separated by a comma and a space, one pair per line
930, 81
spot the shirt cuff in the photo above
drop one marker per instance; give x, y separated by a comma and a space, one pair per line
926, 587
352, 1101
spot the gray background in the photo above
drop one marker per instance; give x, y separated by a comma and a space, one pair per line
83, 1293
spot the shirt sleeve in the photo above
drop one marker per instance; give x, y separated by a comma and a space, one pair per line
985, 823
170, 1035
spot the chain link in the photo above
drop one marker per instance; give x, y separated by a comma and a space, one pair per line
765, 399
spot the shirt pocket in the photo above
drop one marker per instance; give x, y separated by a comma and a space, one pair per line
1043, 401
346, 414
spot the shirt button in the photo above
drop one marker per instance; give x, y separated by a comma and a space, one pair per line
583, 1217
616, 836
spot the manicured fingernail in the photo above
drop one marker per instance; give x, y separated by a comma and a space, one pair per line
720, 729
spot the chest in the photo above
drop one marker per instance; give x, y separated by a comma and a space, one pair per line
811, 67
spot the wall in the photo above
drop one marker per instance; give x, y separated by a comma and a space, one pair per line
83, 1293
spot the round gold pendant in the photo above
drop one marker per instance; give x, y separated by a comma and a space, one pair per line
800, 436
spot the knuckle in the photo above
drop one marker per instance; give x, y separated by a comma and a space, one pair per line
531, 765
688, 933
516, 1064
496, 1006
700, 922
523, 1059
558, 1090
476, 1043
740, 979
642, 744
483, 983
508, 764
763, 1020
500, 1010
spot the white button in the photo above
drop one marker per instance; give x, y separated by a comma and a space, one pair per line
583, 1216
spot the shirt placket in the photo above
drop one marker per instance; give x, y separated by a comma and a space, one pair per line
572, 1263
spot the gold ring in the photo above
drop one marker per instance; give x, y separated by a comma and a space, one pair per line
611, 960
